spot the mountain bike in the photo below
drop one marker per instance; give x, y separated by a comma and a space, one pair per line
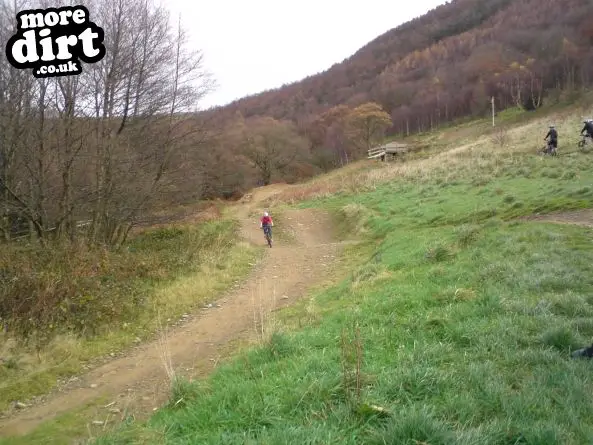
268, 235
548, 149
585, 143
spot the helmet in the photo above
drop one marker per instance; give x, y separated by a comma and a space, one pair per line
551, 126
265, 213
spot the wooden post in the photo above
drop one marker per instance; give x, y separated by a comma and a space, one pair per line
492, 111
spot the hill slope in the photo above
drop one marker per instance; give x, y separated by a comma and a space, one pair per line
455, 327
448, 63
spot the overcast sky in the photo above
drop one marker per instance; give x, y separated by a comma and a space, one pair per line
251, 46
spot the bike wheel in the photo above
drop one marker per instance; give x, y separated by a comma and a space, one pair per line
268, 237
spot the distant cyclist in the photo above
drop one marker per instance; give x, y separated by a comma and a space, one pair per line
588, 128
266, 223
552, 138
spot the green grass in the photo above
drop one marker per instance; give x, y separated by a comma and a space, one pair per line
455, 325
114, 298
64, 428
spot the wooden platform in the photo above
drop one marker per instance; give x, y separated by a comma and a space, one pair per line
387, 151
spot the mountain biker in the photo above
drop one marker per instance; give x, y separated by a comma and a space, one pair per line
553, 135
266, 223
588, 128
583, 352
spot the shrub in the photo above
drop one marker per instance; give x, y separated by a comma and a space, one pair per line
85, 290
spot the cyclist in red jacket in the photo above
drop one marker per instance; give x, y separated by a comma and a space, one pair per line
266, 223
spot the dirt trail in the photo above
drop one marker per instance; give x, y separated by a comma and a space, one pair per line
138, 382
582, 217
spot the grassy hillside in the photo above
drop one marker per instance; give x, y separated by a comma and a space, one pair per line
455, 325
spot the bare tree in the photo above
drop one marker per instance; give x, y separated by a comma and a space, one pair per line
97, 146
146, 89
17, 116
272, 146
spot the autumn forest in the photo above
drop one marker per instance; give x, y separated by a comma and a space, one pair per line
68, 146
445, 65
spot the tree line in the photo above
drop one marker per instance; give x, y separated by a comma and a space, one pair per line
89, 156
95, 147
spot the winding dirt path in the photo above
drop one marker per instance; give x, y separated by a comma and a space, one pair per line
139, 382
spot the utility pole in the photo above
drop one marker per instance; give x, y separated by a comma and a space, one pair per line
492, 110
